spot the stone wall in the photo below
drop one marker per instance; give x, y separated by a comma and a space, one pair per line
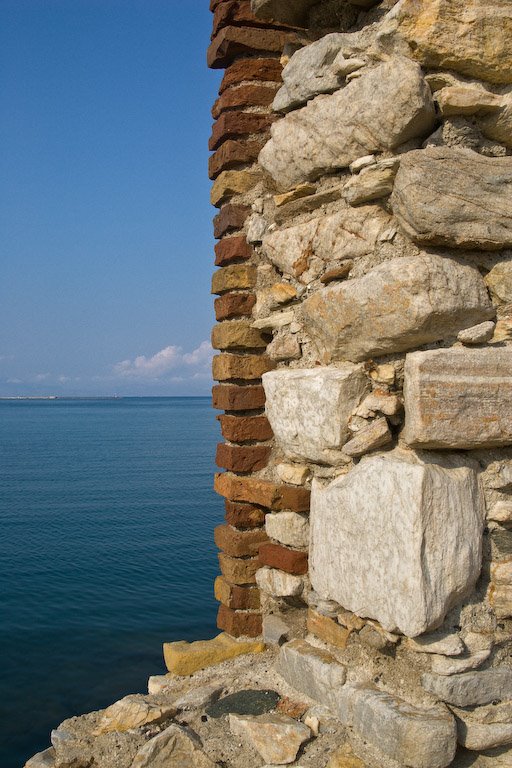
364, 308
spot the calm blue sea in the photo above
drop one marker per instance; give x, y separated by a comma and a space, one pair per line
106, 550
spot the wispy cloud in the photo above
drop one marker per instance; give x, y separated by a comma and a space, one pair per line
167, 360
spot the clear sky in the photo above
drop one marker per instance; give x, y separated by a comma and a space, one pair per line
106, 244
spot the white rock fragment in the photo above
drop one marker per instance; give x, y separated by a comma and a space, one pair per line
309, 409
478, 334
289, 528
379, 401
447, 644
278, 583
471, 689
45, 759
160, 683
397, 541
458, 398
173, 748
485, 727
362, 162
275, 630
501, 512
133, 711
277, 738
369, 438
257, 226
273, 321
198, 697
294, 474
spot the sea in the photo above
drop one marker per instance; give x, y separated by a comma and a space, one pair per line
106, 551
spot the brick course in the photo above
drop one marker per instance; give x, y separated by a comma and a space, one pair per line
289, 560
239, 623
232, 397
266, 70
231, 125
248, 95
228, 366
231, 42
238, 570
230, 217
239, 543
234, 305
239, 429
242, 458
262, 492
232, 249
236, 597
242, 515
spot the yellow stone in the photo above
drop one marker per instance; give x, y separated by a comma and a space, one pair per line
182, 658
234, 277
302, 190
230, 183
237, 334
228, 366
283, 293
327, 630
344, 757
133, 711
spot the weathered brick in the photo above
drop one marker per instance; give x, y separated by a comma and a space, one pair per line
232, 154
262, 492
239, 543
235, 12
237, 334
227, 366
243, 515
229, 218
236, 597
234, 305
232, 41
232, 249
283, 558
238, 570
265, 70
231, 397
242, 458
215, 3
230, 183
239, 429
326, 629
230, 125
233, 278
239, 623
249, 95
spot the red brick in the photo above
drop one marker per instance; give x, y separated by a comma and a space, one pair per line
238, 570
232, 249
232, 397
250, 95
239, 429
231, 125
232, 42
262, 492
289, 560
239, 623
242, 458
234, 305
265, 70
236, 597
215, 3
243, 515
232, 154
239, 543
230, 217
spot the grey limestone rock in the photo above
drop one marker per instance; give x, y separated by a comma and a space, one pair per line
398, 305
485, 727
289, 528
311, 671
471, 689
454, 197
397, 540
386, 106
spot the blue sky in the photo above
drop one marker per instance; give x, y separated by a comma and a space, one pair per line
105, 224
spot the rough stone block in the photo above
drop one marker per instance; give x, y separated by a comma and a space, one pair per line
294, 12
311, 671
288, 528
398, 305
278, 583
133, 711
231, 42
241, 515
230, 125
239, 543
233, 278
327, 629
262, 492
309, 409
392, 98
251, 95
237, 334
266, 70
277, 738
233, 305
232, 154
232, 249
236, 597
228, 366
231, 397
412, 736
471, 689
397, 540
230, 183
232, 12
500, 590
454, 197
184, 658
239, 623
230, 217
288, 560
238, 570
458, 398
239, 429
485, 727
173, 746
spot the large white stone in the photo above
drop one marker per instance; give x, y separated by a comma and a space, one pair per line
277, 583
458, 398
383, 108
397, 540
412, 736
398, 305
348, 233
309, 409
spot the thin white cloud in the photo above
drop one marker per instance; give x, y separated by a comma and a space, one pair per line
162, 363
